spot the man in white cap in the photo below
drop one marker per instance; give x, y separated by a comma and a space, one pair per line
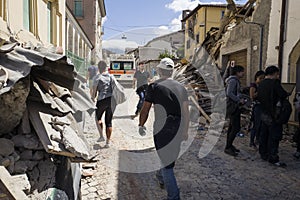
171, 122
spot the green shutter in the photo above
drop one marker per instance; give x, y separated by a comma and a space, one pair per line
78, 11
26, 18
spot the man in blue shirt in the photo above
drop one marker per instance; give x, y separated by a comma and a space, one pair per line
141, 79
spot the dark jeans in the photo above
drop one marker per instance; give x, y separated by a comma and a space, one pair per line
256, 112
167, 140
234, 127
167, 177
141, 91
270, 135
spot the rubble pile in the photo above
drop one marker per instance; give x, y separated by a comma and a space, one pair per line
43, 105
206, 89
25, 154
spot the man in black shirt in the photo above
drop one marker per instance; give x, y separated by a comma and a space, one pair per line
170, 101
269, 92
141, 78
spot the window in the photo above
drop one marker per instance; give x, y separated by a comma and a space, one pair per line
128, 66
197, 38
3, 9
30, 17
116, 66
222, 14
78, 10
26, 14
50, 22
188, 44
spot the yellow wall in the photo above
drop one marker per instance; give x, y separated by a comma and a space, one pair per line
206, 18
38, 22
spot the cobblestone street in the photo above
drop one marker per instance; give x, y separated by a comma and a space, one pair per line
216, 176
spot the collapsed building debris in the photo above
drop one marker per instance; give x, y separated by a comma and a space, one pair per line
203, 75
43, 105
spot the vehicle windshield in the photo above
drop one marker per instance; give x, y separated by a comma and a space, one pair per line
121, 66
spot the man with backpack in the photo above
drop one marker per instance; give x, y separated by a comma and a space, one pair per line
271, 94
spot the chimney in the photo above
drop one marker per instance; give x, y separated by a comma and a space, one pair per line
184, 14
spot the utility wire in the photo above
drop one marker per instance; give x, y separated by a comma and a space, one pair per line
129, 32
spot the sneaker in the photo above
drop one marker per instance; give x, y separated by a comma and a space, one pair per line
279, 164
230, 152
240, 134
101, 139
297, 155
235, 149
106, 145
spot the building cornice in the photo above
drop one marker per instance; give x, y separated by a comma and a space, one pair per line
102, 8
206, 6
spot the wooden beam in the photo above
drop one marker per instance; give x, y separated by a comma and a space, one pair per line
200, 108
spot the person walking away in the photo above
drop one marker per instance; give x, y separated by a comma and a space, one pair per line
102, 86
269, 92
234, 113
141, 80
171, 122
91, 73
255, 118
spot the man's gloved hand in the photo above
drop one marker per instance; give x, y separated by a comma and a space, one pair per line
142, 130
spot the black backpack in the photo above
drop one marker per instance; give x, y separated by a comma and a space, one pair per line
283, 112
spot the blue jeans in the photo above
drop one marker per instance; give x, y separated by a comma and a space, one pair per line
256, 112
141, 94
166, 176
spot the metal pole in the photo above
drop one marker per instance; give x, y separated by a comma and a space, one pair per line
261, 44
281, 36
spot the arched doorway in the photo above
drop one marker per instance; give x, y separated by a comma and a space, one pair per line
294, 62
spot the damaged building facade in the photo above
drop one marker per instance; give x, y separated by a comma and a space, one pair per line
254, 35
44, 103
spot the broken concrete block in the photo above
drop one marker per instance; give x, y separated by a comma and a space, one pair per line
16, 156
20, 167
26, 155
7, 147
38, 155
11, 166
26, 141
5, 162
22, 181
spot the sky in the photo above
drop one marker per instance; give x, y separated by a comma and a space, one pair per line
139, 21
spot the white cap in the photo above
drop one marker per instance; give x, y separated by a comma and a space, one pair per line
166, 63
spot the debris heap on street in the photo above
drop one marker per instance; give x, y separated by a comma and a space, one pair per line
43, 105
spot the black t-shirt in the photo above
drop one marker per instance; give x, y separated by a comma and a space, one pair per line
141, 78
269, 92
167, 96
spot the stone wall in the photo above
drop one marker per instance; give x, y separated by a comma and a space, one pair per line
246, 36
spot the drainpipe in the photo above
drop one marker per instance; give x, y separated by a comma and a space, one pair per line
282, 35
205, 22
261, 41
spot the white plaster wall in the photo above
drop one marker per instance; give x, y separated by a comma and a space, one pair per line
62, 10
161, 44
43, 22
15, 15
149, 53
292, 34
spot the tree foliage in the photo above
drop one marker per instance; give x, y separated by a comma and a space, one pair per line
166, 54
